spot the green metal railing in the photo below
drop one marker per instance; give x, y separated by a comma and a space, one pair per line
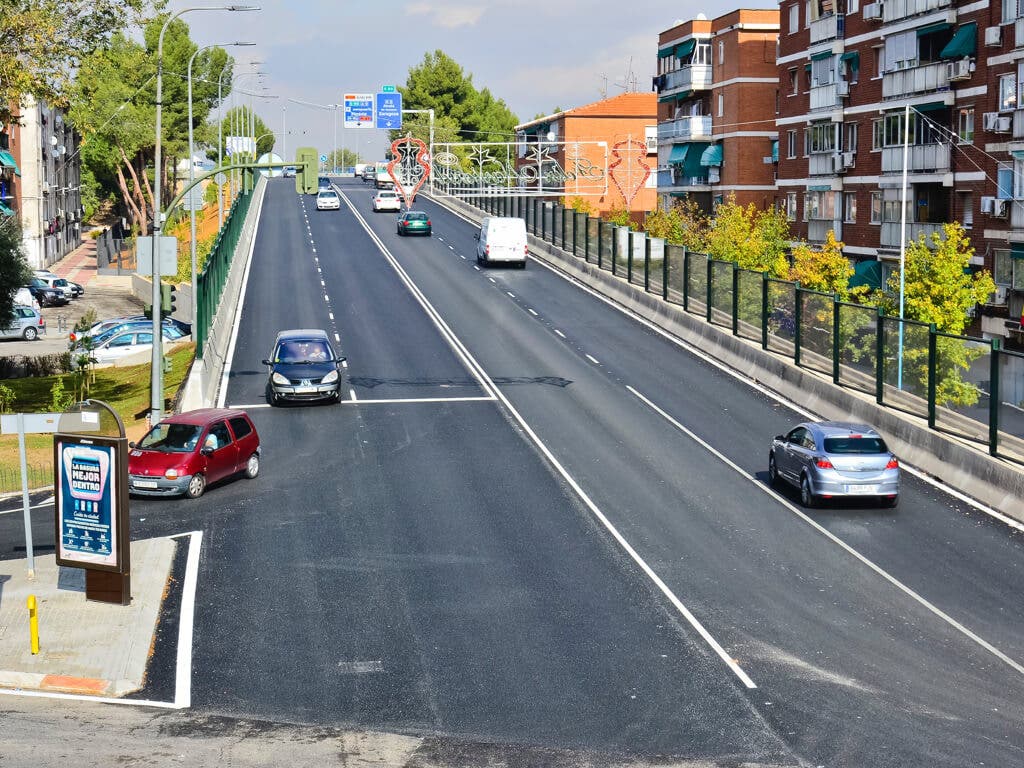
962, 385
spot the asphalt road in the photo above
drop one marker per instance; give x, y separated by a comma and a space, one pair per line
536, 521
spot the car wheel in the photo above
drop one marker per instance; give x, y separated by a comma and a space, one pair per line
252, 467
807, 498
30, 334
196, 486
773, 471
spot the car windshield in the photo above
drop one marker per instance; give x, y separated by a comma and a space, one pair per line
305, 351
851, 444
171, 438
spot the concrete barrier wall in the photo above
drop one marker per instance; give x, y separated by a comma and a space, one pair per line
956, 463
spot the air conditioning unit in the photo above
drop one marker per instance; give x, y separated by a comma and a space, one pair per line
842, 88
46, 187
987, 204
1000, 208
873, 12
999, 297
1004, 124
994, 36
837, 163
959, 70
990, 120
714, 176
652, 145
849, 158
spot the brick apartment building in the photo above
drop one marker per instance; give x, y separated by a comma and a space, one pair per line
716, 84
612, 121
847, 72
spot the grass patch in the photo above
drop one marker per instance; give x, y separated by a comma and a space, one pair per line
126, 390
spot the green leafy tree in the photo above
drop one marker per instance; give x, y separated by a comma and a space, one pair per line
825, 269
14, 270
7, 398
683, 224
44, 42
582, 205
342, 158
754, 239
240, 116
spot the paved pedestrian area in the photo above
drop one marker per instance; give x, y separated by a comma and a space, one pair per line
85, 647
79, 265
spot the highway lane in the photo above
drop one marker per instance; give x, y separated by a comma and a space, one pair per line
832, 637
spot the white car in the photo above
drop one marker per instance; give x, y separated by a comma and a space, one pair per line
24, 297
123, 344
57, 283
387, 200
328, 200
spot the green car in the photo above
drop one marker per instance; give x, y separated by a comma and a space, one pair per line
413, 223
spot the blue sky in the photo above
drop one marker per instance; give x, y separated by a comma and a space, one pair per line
535, 55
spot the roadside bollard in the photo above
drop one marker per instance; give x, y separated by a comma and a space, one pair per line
33, 624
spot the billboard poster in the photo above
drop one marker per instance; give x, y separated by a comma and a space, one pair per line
89, 502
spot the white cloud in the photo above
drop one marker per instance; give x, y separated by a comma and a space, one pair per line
448, 15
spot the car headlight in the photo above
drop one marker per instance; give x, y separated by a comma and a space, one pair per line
173, 474
277, 378
330, 378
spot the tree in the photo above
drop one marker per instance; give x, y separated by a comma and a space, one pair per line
14, 270
342, 158
44, 43
240, 116
683, 224
755, 240
826, 269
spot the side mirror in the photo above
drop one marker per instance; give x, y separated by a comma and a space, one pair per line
340, 360
206, 450
476, 235
131, 444
266, 362
781, 438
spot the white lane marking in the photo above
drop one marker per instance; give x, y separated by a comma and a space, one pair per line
323, 284
532, 312
477, 370
476, 267
331, 316
428, 400
327, 298
80, 697
829, 535
592, 359
510, 294
441, 239
451, 247
183, 680
493, 280
462, 257
337, 338
352, 394
45, 503
222, 388
248, 406
559, 333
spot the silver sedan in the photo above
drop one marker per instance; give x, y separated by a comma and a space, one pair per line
831, 459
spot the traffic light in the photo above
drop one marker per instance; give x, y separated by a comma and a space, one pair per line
168, 298
147, 310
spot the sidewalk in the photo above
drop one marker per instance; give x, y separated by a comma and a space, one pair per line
85, 647
80, 264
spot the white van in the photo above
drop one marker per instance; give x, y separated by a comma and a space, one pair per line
502, 239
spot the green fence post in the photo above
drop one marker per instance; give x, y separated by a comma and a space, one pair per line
735, 299
664, 271
600, 243
647, 265
615, 250
709, 288
798, 319
932, 378
880, 358
686, 280
835, 337
586, 238
629, 256
564, 217
993, 399
764, 310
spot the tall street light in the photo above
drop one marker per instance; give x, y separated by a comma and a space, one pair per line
191, 179
156, 395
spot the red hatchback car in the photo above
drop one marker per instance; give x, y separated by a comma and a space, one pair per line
184, 453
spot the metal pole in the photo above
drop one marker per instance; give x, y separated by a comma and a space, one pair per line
334, 158
29, 550
903, 243
431, 111
220, 150
284, 132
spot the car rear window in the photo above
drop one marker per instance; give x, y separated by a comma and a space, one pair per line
417, 217
865, 445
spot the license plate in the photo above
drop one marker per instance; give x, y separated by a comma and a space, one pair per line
305, 390
865, 490
145, 483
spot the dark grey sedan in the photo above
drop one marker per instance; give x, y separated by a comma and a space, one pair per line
303, 367
832, 459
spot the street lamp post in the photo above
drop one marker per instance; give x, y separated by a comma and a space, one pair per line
156, 399
191, 179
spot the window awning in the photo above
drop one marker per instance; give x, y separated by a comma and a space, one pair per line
821, 56
867, 273
931, 106
685, 48
1017, 250
807, 67
819, 188
664, 53
5, 210
688, 156
7, 160
853, 56
678, 154
775, 151
964, 42
932, 28
712, 156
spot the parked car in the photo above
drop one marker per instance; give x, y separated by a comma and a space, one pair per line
387, 200
413, 223
328, 200
24, 296
27, 323
77, 290
121, 344
303, 367
185, 453
58, 284
171, 332
46, 295
102, 325
831, 459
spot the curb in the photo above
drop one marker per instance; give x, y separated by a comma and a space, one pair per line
34, 681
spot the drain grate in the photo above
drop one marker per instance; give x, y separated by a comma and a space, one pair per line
360, 667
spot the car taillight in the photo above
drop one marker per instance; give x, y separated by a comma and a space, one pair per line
428, 222
823, 464
487, 249
526, 250
42, 322
893, 464
72, 337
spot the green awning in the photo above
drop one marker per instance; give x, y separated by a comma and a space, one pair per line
688, 157
684, 49
1018, 154
666, 99
931, 28
867, 273
775, 151
964, 42
807, 67
664, 53
5, 210
931, 106
821, 56
678, 154
1017, 250
712, 156
7, 160
819, 188
853, 56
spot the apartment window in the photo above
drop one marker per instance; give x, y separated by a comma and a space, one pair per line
850, 139
850, 207
852, 6
1007, 92
794, 82
702, 53
823, 71
965, 125
794, 18
1004, 182
877, 135
1009, 10
807, 142
791, 205
1003, 272
791, 144
901, 50
721, 105
965, 201
807, 13
854, 70
879, 60
819, 206
823, 137
876, 207
721, 52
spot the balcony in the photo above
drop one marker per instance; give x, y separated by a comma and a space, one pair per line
1016, 213
693, 77
922, 79
673, 177
685, 128
818, 229
829, 96
890, 236
1018, 124
821, 164
1018, 33
920, 158
894, 10
827, 28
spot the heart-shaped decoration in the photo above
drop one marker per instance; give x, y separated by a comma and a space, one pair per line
629, 172
409, 167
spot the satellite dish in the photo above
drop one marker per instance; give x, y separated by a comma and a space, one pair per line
53, 140
61, 149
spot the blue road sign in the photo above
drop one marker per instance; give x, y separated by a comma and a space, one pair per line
323, 158
359, 110
389, 110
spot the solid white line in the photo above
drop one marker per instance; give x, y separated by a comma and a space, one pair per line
248, 406
426, 400
331, 316
559, 333
183, 679
593, 359
81, 697
532, 312
829, 535
510, 294
352, 394
47, 503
